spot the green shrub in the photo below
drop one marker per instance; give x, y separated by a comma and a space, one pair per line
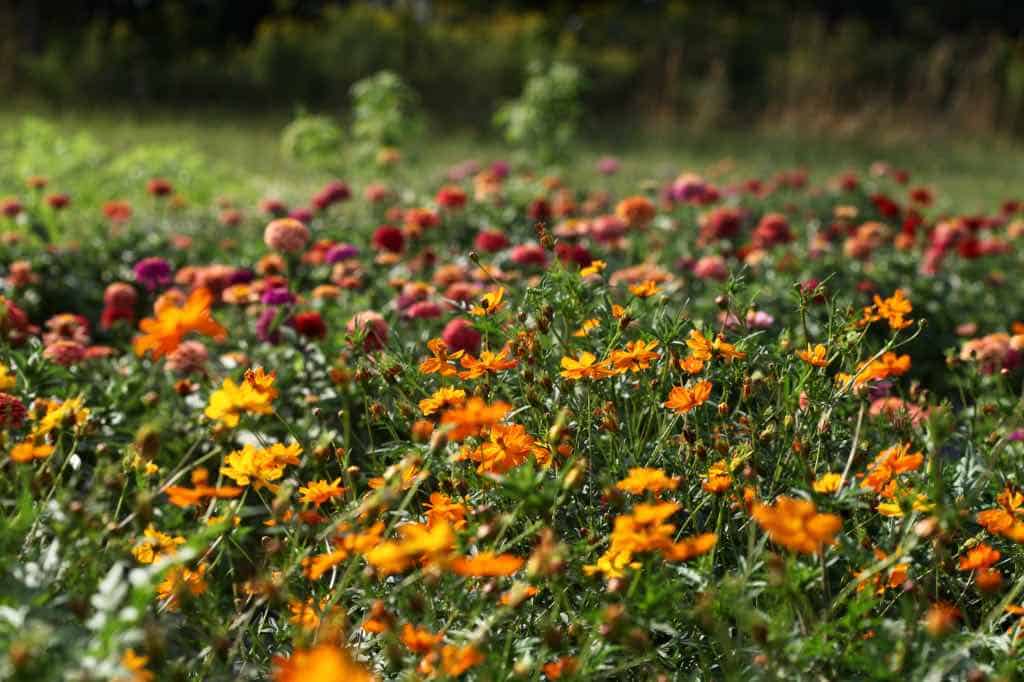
544, 121
313, 140
384, 114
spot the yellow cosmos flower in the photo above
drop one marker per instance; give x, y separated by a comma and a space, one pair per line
71, 412
260, 467
253, 396
490, 303
156, 544
827, 484
596, 267
683, 399
442, 399
586, 366
7, 379
816, 356
318, 492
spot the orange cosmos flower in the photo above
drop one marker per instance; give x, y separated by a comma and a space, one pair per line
441, 362
889, 463
519, 593
165, 332
441, 399
457, 660
404, 473
644, 289
441, 509
941, 618
473, 418
507, 446
682, 399
1005, 519
816, 356
555, 670
135, 664
318, 492
305, 614
586, 367
700, 348
796, 524
181, 580
988, 579
642, 479
586, 327
691, 365
181, 496
487, 363
636, 356
420, 640
980, 557
893, 310
322, 663
427, 545
316, 566
30, 449
727, 351
646, 530
889, 365
490, 303
487, 565
719, 477
379, 619
898, 575
690, 548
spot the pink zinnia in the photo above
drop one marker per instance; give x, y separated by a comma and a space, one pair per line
286, 234
459, 334
373, 326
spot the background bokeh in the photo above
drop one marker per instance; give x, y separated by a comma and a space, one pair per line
842, 65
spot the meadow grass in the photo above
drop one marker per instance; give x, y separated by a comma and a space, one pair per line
974, 173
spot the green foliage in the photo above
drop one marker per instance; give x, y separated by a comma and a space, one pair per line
384, 114
313, 140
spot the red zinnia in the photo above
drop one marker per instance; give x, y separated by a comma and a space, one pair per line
117, 211
309, 324
491, 241
388, 238
12, 412
451, 196
159, 187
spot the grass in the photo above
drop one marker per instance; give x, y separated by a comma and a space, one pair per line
972, 173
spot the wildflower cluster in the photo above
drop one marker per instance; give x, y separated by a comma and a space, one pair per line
515, 428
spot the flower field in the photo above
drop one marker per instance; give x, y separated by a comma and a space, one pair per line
491, 422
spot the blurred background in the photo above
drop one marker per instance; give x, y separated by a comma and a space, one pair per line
273, 97
844, 66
